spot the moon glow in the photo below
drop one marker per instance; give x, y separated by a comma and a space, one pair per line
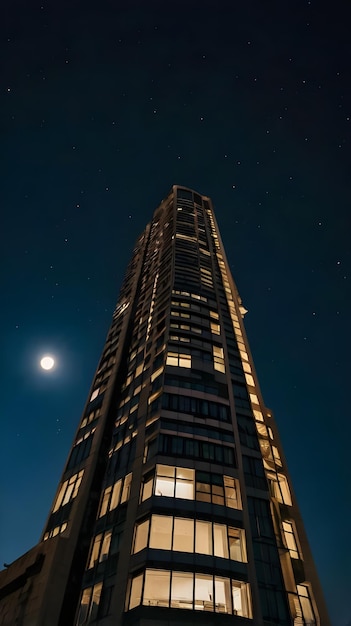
47, 362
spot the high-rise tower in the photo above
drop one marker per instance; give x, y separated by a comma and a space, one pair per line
175, 505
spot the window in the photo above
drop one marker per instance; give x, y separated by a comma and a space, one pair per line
141, 536
161, 532
215, 328
203, 537
184, 535
218, 358
174, 481
220, 541
100, 548
180, 482
136, 589
89, 604
178, 360
199, 592
182, 590
284, 487
68, 490
289, 535
94, 394
303, 606
126, 488
112, 497
156, 588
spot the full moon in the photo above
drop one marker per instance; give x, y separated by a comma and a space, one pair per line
47, 363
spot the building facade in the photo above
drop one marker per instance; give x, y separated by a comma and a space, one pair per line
175, 505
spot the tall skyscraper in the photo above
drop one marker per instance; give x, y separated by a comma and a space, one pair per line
175, 505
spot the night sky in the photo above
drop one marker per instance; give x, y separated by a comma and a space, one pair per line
105, 105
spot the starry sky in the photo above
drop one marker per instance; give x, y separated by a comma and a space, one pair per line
105, 105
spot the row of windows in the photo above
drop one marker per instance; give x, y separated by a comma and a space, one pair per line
202, 431
210, 387
185, 590
196, 406
165, 532
68, 490
92, 415
192, 449
180, 482
115, 494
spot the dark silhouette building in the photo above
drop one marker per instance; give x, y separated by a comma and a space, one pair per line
175, 505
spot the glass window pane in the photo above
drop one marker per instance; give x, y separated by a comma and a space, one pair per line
220, 540
223, 600
105, 548
235, 536
241, 599
147, 489
135, 594
141, 534
84, 606
164, 486
182, 590
184, 489
237, 604
203, 592
95, 551
95, 600
183, 535
126, 488
156, 589
161, 532
115, 494
203, 542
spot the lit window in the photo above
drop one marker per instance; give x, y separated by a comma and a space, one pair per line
241, 599
237, 546
232, 492
258, 415
178, 360
156, 588
141, 535
290, 539
215, 328
126, 488
165, 481
220, 543
218, 358
284, 487
250, 380
135, 593
161, 532
94, 394
203, 592
276, 456
180, 486
89, 604
100, 549
222, 595
68, 490
183, 535
203, 537
254, 398
214, 315
182, 590
111, 495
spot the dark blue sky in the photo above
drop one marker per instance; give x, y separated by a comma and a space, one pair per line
104, 106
